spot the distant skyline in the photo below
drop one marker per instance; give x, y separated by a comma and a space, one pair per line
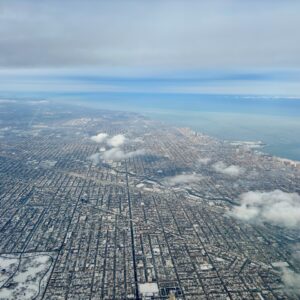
229, 47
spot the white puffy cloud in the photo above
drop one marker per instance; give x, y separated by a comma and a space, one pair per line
291, 281
117, 140
99, 138
231, 170
276, 207
182, 179
203, 160
95, 158
117, 154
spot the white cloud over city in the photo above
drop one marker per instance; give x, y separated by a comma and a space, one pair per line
291, 281
182, 179
276, 207
99, 138
117, 140
115, 153
229, 170
203, 160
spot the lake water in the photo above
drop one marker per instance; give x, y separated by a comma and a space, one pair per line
280, 134
276, 122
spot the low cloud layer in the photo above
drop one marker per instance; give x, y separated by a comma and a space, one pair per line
95, 158
203, 160
291, 281
276, 207
231, 170
117, 154
182, 179
117, 140
114, 141
99, 138
114, 154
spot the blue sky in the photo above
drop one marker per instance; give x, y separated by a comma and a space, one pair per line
166, 47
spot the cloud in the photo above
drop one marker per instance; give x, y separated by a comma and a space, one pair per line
182, 179
117, 140
276, 207
172, 34
95, 158
291, 281
117, 154
5, 101
37, 102
203, 160
99, 138
231, 170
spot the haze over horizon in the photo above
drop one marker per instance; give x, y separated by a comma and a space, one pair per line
175, 47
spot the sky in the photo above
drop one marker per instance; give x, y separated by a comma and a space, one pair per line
186, 47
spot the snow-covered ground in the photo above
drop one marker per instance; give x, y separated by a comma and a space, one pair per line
8, 266
24, 276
